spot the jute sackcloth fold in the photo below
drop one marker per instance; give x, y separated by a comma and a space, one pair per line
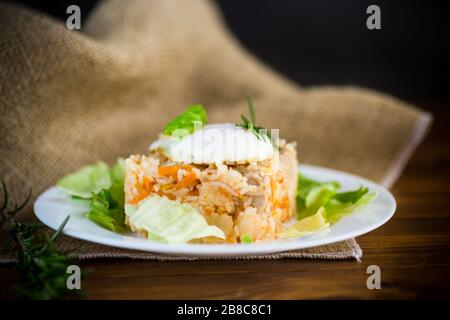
71, 98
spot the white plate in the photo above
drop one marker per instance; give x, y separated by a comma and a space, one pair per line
53, 206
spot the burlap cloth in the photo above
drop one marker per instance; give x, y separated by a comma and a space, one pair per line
71, 98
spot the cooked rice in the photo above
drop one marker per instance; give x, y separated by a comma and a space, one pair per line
242, 199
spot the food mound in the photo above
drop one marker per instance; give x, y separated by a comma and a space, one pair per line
243, 200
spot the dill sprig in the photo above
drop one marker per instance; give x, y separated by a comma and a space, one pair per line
44, 267
250, 124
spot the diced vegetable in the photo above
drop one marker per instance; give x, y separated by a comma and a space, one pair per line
246, 238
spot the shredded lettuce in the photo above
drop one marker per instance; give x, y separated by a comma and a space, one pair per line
170, 221
187, 122
314, 195
87, 180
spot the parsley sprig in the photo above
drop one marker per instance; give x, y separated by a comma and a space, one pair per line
250, 124
44, 267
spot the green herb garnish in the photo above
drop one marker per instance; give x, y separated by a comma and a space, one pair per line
44, 267
187, 122
314, 195
245, 238
260, 132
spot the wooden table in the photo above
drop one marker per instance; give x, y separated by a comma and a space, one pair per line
412, 250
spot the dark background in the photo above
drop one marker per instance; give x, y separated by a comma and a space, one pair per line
327, 42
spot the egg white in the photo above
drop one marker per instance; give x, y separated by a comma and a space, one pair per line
216, 143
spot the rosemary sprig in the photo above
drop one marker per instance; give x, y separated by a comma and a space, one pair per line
251, 109
260, 132
44, 267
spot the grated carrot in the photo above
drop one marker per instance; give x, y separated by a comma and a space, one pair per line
147, 184
186, 167
285, 203
139, 197
189, 180
168, 171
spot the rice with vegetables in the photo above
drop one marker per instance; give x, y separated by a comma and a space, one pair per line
245, 200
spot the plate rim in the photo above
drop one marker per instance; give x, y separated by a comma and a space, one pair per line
227, 250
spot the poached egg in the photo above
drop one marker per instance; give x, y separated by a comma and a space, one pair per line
216, 143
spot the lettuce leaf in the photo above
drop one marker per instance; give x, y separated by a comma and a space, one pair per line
305, 185
104, 188
351, 196
314, 195
185, 123
107, 212
307, 226
311, 195
87, 180
335, 210
107, 206
117, 182
170, 221
117, 172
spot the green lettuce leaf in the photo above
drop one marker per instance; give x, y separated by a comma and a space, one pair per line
351, 196
305, 185
107, 212
317, 198
107, 206
307, 226
184, 124
117, 182
314, 195
170, 221
87, 180
117, 172
336, 210
104, 189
